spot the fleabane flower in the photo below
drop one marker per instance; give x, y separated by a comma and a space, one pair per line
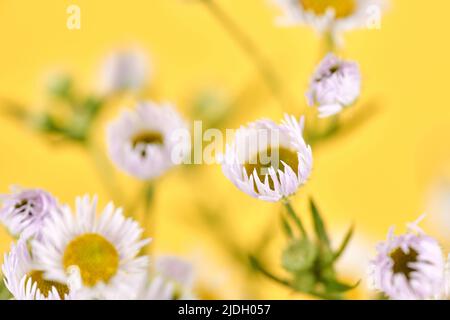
147, 141
26, 281
409, 266
24, 211
335, 84
172, 280
126, 69
104, 250
334, 16
269, 161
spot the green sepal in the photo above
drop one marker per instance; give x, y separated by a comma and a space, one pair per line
319, 225
299, 256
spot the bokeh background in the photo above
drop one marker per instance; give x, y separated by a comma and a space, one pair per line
377, 175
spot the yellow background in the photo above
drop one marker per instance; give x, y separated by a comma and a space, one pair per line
375, 177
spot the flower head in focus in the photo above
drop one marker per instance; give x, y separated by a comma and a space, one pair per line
334, 85
145, 142
124, 70
334, 16
409, 266
24, 211
25, 282
269, 161
173, 280
104, 250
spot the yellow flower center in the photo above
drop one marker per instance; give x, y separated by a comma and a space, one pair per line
96, 257
264, 160
147, 137
402, 261
342, 8
141, 140
45, 286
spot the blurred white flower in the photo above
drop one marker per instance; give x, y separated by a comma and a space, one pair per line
334, 85
269, 161
409, 266
24, 211
173, 280
333, 16
25, 281
126, 69
105, 250
146, 142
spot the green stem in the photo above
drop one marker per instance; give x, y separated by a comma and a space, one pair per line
329, 42
148, 219
248, 46
290, 210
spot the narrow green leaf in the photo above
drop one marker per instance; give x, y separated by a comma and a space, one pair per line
291, 212
344, 244
319, 225
334, 286
286, 227
257, 266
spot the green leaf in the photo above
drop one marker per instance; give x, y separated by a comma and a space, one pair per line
286, 227
344, 244
61, 86
299, 256
334, 286
92, 105
319, 225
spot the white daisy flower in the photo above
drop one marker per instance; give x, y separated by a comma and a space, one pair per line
126, 69
147, 141
409, 266
105, 250
334, 16
269, 161
27, 282
24, 211
335, 85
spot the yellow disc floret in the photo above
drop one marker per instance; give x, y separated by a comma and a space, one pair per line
95, 256
271, 158
342, 8
45, 286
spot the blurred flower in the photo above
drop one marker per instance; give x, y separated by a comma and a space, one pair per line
143, 142
27, 283
334, 85
333, 16
173, 280
269, 180
124, 70
104, 249
410, 266
446, 294
24, 211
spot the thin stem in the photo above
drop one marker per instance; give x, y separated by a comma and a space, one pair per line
290, 210
329, 42
105, 171
148, 219
248, 46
